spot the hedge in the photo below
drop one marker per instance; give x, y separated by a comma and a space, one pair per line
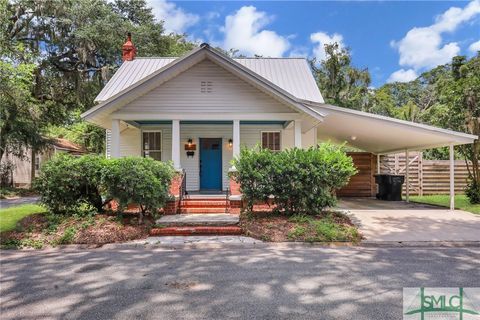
296, 180
69, 184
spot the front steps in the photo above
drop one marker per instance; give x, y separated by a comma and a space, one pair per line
197, 224
204, 204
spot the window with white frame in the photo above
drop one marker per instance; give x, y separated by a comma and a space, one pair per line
271, 140
152, 144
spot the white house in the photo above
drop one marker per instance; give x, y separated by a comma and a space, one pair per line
199, 109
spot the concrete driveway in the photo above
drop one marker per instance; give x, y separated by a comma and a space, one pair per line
385, 221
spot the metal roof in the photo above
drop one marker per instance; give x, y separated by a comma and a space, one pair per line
379, 134
290, 74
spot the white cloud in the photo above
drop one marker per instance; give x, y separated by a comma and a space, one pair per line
321, 39
243, 31
175, 19
423, 47
474, 47
403, 75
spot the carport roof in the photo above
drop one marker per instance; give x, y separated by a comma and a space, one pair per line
379, 134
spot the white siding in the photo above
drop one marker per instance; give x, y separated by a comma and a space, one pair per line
130, 142
183, 94
250, 135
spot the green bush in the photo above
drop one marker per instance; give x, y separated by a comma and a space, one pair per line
142, 181
68, 184
472, 191
297, 180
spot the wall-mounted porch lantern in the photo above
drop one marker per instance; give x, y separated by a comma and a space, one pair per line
230, 143
190, 147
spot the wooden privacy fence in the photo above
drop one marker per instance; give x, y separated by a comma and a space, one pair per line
426, 176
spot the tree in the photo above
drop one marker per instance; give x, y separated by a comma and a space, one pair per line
460, 93
341, 83
76, 46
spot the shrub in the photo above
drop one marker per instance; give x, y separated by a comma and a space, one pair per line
142, 181
300, 180
473, 191
68, 184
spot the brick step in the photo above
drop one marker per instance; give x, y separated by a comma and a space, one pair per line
203, 209
199, 230
197, 203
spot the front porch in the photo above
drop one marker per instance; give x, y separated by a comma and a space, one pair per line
203, 149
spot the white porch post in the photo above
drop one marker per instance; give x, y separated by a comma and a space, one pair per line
236, 138
378, 163
407, 171
115, 138
452, 177
176, 144
298, 133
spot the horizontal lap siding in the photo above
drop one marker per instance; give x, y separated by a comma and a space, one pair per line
130, 144
183, 94
361, 184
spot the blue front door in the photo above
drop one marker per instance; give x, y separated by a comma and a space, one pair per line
210, 164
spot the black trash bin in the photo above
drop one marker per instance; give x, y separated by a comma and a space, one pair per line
389, 187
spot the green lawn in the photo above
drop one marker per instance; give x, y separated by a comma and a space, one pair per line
9, 217
461, 202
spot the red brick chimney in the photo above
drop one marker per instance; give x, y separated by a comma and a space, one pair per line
128, 49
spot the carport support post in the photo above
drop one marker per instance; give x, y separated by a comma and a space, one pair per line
378, 163
452, 177
407, 171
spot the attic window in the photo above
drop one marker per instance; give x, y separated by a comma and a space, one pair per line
206, 87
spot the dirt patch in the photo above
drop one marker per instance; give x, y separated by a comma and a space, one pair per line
42, 230
276, 227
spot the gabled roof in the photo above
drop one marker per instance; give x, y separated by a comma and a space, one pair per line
66, 145
170, 70
291, 74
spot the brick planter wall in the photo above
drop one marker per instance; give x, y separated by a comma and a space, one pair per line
175, 187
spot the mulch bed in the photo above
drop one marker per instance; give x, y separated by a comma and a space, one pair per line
275, 227
97, 230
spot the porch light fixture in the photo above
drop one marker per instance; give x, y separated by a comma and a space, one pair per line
230, 143
353, 138
190, 141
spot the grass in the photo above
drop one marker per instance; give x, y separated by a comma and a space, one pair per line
461, 202
324, 229
11, 216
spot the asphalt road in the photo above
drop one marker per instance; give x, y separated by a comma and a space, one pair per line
270, 282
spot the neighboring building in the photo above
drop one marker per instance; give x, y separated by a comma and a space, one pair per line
22, 173
199, 109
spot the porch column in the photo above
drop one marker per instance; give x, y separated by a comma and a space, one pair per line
298, 133
115, 153
176, 144
452, 177
407, 171
236, 138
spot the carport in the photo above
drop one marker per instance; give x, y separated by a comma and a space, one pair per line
381, 135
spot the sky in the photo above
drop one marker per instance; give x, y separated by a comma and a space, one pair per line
395, 40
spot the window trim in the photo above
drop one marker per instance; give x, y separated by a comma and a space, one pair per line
143, 144
272, 131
